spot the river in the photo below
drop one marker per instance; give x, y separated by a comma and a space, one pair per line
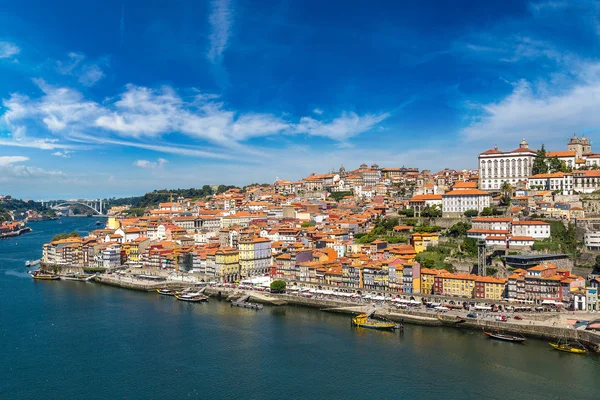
72, 340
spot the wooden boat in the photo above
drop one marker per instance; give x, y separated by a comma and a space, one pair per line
45, 276
363, 321
450, 320
568, 348
166, 292
192, 298
505, 337
246, 304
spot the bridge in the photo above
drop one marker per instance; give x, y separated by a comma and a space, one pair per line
97, 205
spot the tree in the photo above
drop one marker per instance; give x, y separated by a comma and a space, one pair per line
469, 246
471, 213
431, 212
459, 229
62, 236
487, 212
307, 224
597, 262
278, 286
556, 165
539, 162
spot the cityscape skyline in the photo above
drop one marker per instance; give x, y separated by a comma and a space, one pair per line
143, 98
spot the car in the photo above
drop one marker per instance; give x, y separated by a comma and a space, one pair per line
517, 318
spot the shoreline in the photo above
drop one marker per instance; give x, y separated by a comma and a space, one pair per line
526, 327
15, 233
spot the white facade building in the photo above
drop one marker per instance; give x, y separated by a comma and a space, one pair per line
534, 229
496, 167
456, 202
558, 181
591, 240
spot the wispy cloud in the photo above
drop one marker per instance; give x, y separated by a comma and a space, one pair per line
8, 50
86, 73
220, 19
11, 169
159, 163
537, 110
63, 154
318, 111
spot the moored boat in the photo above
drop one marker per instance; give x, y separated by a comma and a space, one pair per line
363, 321
44, 276
192, 298
505, 337
450, 319
166, 292
569, 348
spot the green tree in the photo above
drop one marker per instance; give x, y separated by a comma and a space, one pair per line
471, 213
556, 165
469, 246
307, 224
278, 286
431, 212
539, 162
459, 229
487, 212
62, 236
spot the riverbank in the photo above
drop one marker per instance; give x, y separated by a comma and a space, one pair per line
15, 233
553, 327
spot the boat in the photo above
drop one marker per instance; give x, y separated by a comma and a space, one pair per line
192, 298
166, 292
505, 337
246, 304
363, 321
44, 276
569, 348
450, 319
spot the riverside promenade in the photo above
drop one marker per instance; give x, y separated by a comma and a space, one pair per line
549, 326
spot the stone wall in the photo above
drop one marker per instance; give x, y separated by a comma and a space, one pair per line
591, 204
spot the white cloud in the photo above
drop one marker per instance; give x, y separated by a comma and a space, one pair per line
349, 124
11, 170
8, 50
87, 73
539, 111
220, 20
159, 163
318, 111
63, 154
6, 160
140, 114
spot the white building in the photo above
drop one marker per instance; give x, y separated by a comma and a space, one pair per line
534, 229
456, 202
586, 181
558, 181
496, 167
591, 240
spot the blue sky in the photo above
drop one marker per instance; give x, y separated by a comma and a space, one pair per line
119, 98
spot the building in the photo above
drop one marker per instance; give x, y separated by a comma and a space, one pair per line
227, 260
422, 241
591, 240
534, 229
456, 202
255, 257
556, 182
497, 167
487, 287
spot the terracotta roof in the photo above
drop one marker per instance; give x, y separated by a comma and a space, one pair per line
466, 192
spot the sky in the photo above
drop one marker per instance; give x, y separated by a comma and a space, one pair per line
117, 98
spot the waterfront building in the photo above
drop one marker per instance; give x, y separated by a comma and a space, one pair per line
255, 257
428, 279
228, 264
487, 287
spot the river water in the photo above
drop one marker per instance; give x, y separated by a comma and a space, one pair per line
72, 340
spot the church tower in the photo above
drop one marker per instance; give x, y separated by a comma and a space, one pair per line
576, 146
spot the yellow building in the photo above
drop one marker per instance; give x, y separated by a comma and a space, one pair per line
461, 285
228, 264
421, 241
428, 279
487, 287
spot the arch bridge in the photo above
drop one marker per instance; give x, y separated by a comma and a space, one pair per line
96, 206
